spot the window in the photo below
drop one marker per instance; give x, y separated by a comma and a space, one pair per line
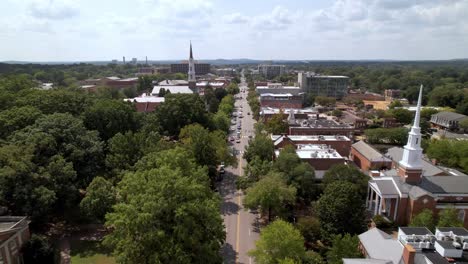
461, 215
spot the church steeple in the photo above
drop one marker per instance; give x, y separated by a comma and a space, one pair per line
191, 68
412, 153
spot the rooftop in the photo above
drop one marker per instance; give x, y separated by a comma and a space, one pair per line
173, 82
419, 231
145, 99
369, 152
429, 169
310, 138
450, 116
322, 123
380, 245
271, 110
183, 89
315, 151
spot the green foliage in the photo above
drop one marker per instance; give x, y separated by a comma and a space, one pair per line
257, 168
221, 121
55, 101
233, 88
270, 194
325, 101
277, 124
346, 246
310, 228
447, 95
211, 100
279, 242
110, 117
425, 218
65, 135
449, 218
261, 146
403, 116
180, 110
337, 113
393, 136
166, 214
381, 222
38, 249
297, 173
17, 118
449, 152
395, 104
347, 173
99, 199
309, 99
340, 210
312, 257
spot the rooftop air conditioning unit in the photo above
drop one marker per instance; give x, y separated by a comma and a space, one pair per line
424, 244
457, 245
465, 245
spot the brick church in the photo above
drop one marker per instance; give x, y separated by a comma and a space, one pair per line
413, 184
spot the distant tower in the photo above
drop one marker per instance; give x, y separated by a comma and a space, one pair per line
410, 164
191, 70
123, 59
146, 59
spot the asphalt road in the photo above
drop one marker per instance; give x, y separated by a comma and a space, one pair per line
240, 224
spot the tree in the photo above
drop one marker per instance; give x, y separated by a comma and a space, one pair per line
346, 246
17, 118
464, 124
403, 116
260, 146
166, 214
325, 101
64, 135
279, 241
99, 199
312, 257
178, 111
449, 218
310, 228
277, 124
446, 96
337, 113
54, 101
270, 194
449, 152
424, 218
393, 136
38, 249
349, 174
340, 210
110, 117
221, 121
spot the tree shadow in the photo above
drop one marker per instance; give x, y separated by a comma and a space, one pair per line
230, 208
229, 254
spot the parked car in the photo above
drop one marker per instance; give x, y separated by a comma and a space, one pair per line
238, 140
231, 138
248, 113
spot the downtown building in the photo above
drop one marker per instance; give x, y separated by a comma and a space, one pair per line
270, 71
200, 68
323, 85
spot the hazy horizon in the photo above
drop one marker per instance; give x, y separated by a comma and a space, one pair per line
80, 31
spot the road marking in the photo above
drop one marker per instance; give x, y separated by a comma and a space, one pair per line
249, 231
250, 260
238, 227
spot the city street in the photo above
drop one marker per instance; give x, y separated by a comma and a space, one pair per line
240, 224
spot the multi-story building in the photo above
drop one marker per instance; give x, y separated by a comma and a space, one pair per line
281, 100
413, 245
277, 88
341, 144
271, 71
413, 184
448, 120
324, 85
200, 68
14, 232
319, 126
145, 104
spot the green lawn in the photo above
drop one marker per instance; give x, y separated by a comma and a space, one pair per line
89, 252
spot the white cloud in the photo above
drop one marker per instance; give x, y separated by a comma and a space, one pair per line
53, 9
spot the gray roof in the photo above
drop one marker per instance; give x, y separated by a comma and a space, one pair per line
445, 184
386, 186
450, 116
369, 152
459, 231
420, 231
432, 256
365, 261
416, 192
381, 246
429, 169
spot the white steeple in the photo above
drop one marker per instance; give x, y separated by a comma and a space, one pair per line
191, 66
412, 152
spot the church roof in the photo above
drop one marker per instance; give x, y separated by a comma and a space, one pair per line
369, 152
429, 169
445, 184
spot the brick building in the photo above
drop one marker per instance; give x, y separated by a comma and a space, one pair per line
281, 100
341, 144
367, 158
14, 232
321, 127
145, 104
414, 184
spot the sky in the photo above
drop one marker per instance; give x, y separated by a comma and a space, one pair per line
91, 30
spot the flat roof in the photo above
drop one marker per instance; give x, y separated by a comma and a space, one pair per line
325, 123
419, 231
458, 231
312, 138
276, 95
183, 89
146, 99
315, 151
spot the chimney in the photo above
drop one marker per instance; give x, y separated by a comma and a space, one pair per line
408, 254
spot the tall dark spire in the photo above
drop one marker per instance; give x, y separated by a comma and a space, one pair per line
191, 54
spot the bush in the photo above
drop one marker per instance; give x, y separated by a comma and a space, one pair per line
381, 222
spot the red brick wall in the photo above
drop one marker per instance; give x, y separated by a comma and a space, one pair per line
297, 104
323, 164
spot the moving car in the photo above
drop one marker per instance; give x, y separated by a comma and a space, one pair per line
238, 140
